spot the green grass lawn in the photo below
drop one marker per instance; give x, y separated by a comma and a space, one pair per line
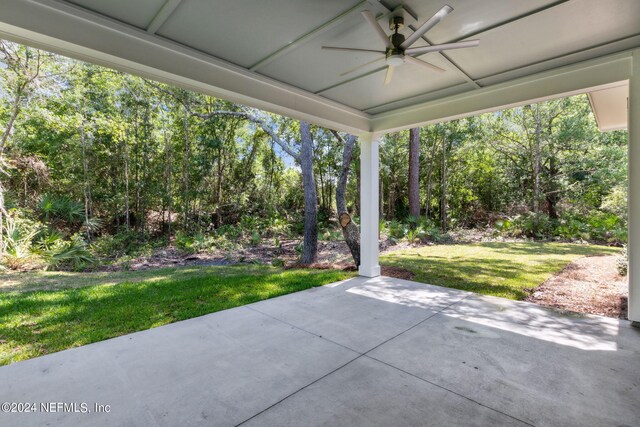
45, 312
505, 270
97, 306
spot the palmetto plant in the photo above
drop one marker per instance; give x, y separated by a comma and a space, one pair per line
93, 224
61, 208
18, 239
73, 253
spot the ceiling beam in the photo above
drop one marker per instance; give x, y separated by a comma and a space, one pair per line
510, 20
163, 14
448, 60
618, 45
308, 36
557, 83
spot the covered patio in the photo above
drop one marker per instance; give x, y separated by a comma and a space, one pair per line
372, 350
376, 351
271, 56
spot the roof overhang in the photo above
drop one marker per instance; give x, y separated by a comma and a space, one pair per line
610, 105
75, 32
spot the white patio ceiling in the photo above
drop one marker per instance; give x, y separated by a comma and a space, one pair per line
268, 53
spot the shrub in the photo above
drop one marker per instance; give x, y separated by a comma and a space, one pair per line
255, 238
622, 262
73, 254
616, 202
19, 250
62, 208
397, 230
599, 226
277, 262
117, 245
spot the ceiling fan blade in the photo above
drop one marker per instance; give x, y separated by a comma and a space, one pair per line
431, 22
352, 49
389, 76
371, 19
441, 47
351, 70
431, 67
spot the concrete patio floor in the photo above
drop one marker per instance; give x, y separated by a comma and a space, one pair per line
362, 352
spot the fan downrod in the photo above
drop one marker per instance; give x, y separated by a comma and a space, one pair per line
395, 55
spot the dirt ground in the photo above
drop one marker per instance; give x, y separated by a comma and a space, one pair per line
328, 253
589, 285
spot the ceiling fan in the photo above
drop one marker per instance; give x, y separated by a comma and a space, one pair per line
398, 49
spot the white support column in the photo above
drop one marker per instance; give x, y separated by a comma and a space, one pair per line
634, 190
369, 223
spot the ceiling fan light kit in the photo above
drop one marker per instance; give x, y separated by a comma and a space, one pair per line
398, 50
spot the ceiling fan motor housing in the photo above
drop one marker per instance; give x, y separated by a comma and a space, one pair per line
395, 54
397, 39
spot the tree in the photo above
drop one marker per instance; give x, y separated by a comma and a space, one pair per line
350, 230
304, 157
414, 172
24, 66
443, 181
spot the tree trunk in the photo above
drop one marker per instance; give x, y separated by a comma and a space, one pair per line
443, 200
3, 142
350, 230
381, 198
186, 167
358, 187
87, 183
12, 119
126, 185
322, 192
552, 194
136, 170
3, 212
536, 172
218, 213
310, 245
414, 172
168, 153
431, 161
391, 208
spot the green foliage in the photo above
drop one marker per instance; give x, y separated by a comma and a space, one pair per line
119, 244
19, 252
28, 244
277, 262
413, 230
622, 262
192, 243
597, 226
61, 208
331, 234
525, 225
72, 254
616, 202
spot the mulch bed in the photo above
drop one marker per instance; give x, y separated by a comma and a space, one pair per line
397, 272
589, 285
